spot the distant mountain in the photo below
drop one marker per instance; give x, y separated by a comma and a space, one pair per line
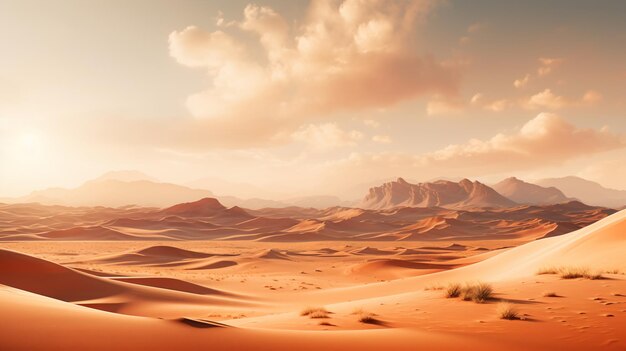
442, 193
587, 191
126, 176
529, 194
201, 208
115, 193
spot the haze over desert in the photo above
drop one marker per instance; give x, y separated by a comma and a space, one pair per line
312, 175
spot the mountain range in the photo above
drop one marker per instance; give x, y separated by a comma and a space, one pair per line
589, 192
441, 193
529, 194
124, 188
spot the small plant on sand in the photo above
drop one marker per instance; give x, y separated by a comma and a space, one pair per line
507, 311
479, 292
482, 292
547, 270
315, 312
434, 287
570, 272
453, 290
550, 294
368, 318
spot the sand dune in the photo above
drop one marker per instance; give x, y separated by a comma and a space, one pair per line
247, 275
207, 219
399, 291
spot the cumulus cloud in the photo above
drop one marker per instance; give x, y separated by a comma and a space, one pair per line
345, 56
546, 140
548, 100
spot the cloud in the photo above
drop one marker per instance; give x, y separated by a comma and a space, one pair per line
371, 123
493, 105
548, 100
472, 30
520, 83
497, 105
382, 139
547, 65
442, 107
326, 136
345, 56
544, 141
592, 97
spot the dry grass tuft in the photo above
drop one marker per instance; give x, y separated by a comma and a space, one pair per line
315, 312
434, 287
453, 290
551, 294
366, 317
570, 272
478, 293
548, 270
369, 318
507, 311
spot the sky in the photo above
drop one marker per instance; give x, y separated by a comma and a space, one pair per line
291, 98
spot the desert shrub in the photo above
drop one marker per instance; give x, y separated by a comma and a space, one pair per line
315, 312
434, 287
547, 270
550, 294
453, 290
479, 292
507, 311
571, 272
368, 318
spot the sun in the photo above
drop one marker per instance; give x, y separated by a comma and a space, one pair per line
29, 140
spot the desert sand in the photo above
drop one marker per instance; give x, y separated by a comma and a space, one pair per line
198, 275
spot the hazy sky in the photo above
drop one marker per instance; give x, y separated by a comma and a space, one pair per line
299, 97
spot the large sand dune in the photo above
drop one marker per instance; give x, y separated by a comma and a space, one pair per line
106, 292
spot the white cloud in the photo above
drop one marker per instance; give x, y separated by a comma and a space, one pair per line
520, 83
544, 141
546, 99
346, 56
